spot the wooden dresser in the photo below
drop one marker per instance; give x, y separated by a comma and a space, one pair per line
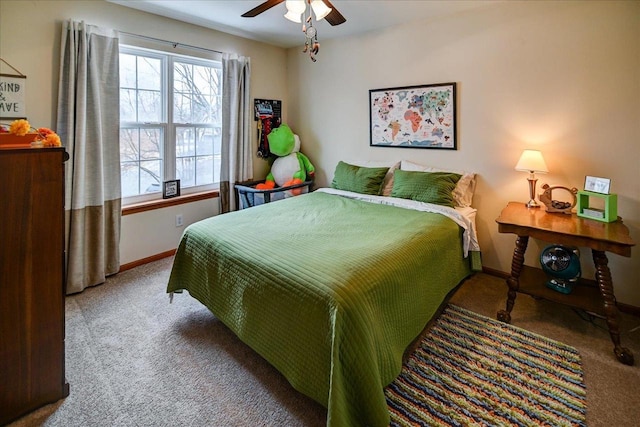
31, 280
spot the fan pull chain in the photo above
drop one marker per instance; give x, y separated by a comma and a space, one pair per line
311, 43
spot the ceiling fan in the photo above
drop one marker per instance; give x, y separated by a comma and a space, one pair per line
334, 17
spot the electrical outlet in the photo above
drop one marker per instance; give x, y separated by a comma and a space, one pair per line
179, 220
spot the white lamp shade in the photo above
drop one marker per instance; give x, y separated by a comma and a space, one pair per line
532, 161
293, 16
296, 6
320, 9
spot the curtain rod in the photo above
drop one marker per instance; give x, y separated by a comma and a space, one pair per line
174, 44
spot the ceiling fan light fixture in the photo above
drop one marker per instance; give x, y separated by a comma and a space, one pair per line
295, 9
293, 16
320, 9
296, 6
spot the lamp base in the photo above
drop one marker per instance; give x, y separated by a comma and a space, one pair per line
532, 191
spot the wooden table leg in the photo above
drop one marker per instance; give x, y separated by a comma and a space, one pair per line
514, 279
605, 284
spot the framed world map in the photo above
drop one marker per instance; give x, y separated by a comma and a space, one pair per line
414, 116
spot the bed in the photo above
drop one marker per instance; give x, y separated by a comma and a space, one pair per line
330, 287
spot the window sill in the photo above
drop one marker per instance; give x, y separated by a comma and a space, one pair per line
164, 203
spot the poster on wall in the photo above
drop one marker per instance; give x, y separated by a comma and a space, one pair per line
268, 113
12, 96
267, 108
414, 116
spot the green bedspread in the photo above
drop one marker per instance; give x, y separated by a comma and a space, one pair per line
329, 290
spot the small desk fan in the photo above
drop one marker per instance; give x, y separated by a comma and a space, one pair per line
562, 264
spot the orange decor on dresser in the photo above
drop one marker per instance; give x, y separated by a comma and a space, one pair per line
9, 140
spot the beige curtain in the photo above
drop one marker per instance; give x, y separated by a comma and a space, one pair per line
88, 124
237, 159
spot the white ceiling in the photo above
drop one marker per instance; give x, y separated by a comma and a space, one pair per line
271, 26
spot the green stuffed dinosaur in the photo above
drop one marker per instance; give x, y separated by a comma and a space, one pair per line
291, 167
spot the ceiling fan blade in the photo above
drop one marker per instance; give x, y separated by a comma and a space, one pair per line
261, 8
334, 17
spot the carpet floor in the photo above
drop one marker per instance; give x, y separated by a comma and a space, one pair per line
133, 359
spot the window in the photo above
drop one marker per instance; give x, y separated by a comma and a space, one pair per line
170, 122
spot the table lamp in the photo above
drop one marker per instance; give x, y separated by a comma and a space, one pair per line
532, 161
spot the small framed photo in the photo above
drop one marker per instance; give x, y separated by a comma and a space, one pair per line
597, 185
171, 189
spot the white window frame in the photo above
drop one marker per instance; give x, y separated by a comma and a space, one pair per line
168, 126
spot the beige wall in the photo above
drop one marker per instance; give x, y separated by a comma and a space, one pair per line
562, 77
30, 39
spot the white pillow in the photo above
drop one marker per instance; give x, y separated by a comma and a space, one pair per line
387, 183
462, 194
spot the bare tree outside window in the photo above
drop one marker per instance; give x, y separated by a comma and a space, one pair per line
170, 114
196, 99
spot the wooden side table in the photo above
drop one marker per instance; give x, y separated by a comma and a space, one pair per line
559, 228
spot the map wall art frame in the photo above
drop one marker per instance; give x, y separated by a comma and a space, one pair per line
414, 117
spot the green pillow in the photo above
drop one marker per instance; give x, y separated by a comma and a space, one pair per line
358, 179
429, 187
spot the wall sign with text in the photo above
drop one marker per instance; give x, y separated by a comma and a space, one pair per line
12, 96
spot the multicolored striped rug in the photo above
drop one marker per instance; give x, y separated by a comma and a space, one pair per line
471, 370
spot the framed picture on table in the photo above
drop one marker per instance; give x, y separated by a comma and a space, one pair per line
597, 185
